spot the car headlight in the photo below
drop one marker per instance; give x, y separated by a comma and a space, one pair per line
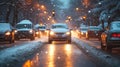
15, 31
37, 32
68, 33
52, 33
82, 33
7, 33
31, 31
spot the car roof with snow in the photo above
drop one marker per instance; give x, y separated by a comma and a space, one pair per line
5, 26
25, 22
59, 24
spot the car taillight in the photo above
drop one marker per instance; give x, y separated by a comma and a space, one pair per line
117, 35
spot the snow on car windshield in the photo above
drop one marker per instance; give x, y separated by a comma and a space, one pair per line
21, 26
4, 26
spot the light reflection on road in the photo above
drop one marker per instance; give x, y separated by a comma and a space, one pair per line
32, 63
52, 58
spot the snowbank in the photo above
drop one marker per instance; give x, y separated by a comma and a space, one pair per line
100, 57
18, 53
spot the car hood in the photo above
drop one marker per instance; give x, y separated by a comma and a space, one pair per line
60, 30
23, 29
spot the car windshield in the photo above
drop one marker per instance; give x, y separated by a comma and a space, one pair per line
42, 27
21, 26
94, 28
59, 26
83, 29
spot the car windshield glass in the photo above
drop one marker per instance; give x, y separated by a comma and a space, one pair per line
21, 26
94, 28
41, 27
59, 26
84, 29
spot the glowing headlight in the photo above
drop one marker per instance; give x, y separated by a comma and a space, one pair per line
7, 33
37, 32
31, 31
68, 33
15, 31
52, 33
82, 33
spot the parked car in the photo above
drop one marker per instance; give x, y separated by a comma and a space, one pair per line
6, 32
111, 37
94, 32
42, 29
59, 32
83, 32
37, 32
24, 29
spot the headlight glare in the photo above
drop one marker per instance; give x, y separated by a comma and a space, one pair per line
68, 33
7, 33
31, 31
52, 33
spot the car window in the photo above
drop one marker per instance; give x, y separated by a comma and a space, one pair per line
59, 26
94, 28
84, 29
21, 26
42, 27
115, 26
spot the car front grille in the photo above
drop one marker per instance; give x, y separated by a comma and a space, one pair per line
59, 33
22, 32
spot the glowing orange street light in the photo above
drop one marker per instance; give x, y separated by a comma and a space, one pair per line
43, 7
84, 18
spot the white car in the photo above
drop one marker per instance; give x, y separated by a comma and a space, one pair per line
24, 29
59, 32
83, 32
111, 37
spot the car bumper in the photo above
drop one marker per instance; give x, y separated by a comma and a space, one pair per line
5, 38
28, 35
61, 38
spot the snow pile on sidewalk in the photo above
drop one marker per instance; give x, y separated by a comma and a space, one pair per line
98, 55
17, 53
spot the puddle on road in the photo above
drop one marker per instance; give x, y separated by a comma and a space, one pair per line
32, 63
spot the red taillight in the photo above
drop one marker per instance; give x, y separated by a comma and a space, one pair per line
116, 35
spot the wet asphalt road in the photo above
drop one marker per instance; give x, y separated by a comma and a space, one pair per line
59, 55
